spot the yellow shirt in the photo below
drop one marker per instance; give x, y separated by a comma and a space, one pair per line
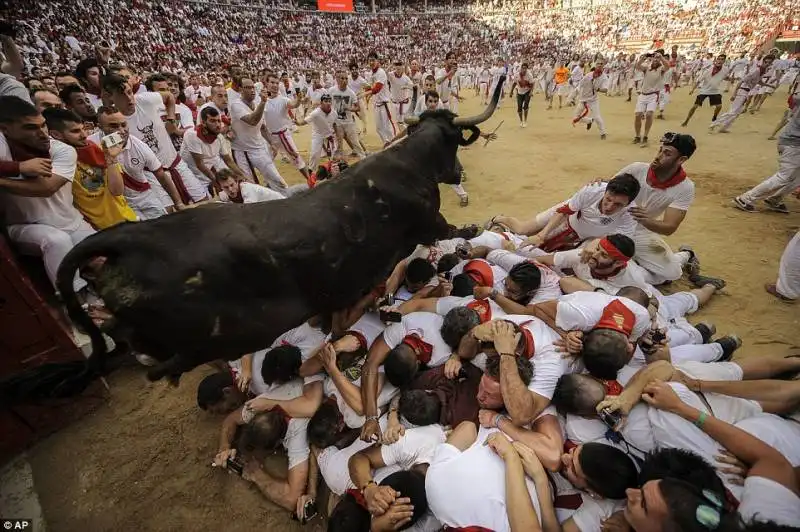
561, 75
92, 198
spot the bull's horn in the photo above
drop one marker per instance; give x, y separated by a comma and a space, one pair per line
484, 116
412, 120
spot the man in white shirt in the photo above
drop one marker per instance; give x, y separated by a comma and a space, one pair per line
524, 84
142, 112
345, 104
218, 100
747, 87
652, 81
248, 145
447, 82
236, 190
400, 86
709, 83
36, 175
142, 173
279, 124
385, 125
664, 198
356, 83
323, 130
588, 109
202, 149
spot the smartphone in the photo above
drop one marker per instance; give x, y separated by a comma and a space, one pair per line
448, 276
109, 141
235, 465
390, 316
611, 419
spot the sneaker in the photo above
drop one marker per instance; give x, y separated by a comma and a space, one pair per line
525, 124
693, 264
644, 142
464, 201
521, 123
603, 136
637, 140
589, 125
776, 206
702, 280
729, 345
660, 116
772, 289
707, 330
463, 176
742, 205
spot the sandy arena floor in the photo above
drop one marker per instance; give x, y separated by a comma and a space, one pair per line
142, 462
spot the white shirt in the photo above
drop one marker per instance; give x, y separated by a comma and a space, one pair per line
656, 200
468, 488
145, 124
343, 101
246, 137
304, 337
56, 210
333, 463
253, 193
433, 253
586, 219
589, 86
709, 82
210, 153
496, 72
766, 500
383, 95
549, 365
322, 122
400, 87
524, 83
581, 311
276, 114
213, 106
356, 85
447, 86
424, 325
549, 287
631, 275
591, 512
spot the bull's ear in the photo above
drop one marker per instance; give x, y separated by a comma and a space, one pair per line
474, 134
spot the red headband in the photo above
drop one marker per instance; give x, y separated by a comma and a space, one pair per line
617, 317
480, 271
613, 251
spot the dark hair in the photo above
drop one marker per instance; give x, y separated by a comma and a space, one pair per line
608, 470
625, 245
323, 427
153, 79
431, 94
456, 323
412, 485
265, 431
67, 92
211, 389
106, 110
83, 68
463, 285
684, 502
224, 174
681, 464
604, 353
372, 55
63, 74
349, 516
12, 108
447, 262
400, 365
450, 54
208, 111
524, 367
574, 395
281, 364
420, 407
419, 270
635, 294
57, 118
527, 275
625, 185
114, 83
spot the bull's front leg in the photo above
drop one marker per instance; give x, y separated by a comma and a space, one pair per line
172, 369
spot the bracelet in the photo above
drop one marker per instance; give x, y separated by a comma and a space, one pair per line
506, 354
496, 420
372, 418
701, 419
365, 486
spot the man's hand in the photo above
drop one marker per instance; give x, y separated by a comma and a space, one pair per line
530, 462
639, 214
487, 418
445, 287
508, 245
252, 470
452, 367
180, 207
588, 251
615, 403
260, 404
396, 517
505, 339
327, 356
221, 460
264, 95
394, 431
532, 241
573, 345
484, 332
481, 292
112, 152
243, 380
347, 344
683, 378
379, 498
36, 167
616, 523
371, 431
302, 500
498, 442
731, 467
660, 395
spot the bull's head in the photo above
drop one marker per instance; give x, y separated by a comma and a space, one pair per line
453, 127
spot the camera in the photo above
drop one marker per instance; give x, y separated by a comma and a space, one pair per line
464, 250
109, 141
611, 419
235, 465
658, 336
310, 511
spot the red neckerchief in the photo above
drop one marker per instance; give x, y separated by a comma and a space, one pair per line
596, 74
21, 152
131, 183
359, 497
422, 349
714, 70
208, 138
91, 155
286, 417
676, 179
569, 445
483, 308
286, 84
617, 317
480, 271
612, 387
374, 70
568, 501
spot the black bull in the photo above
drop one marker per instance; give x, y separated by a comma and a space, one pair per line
220, 281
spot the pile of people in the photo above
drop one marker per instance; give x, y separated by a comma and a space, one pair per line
199, 36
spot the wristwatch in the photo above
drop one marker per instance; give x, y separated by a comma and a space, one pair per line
493, 294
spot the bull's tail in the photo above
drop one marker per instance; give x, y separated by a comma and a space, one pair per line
67, 379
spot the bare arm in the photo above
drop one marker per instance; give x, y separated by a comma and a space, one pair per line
283, 492
369, 385
632, 394
114, 176
230, 163
362, 463
544, 439
304, 406
672, 220
13, 56
169, 120
229, 426
427, 304
521, 513
518, 226
522, 404
38, 187
253, 118
396, 278
200, 163
554, 221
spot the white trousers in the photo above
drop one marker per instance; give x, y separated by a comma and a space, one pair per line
400, 110
283, 142
655, 256
589, 111
782, 182
789, 273
261, 160
320, 145
349, 132
193, 185
51, 244
725, 120
384, 122
672, 310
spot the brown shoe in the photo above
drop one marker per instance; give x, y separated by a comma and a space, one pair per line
772, 288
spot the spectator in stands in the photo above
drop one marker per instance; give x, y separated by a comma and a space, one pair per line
75, 99
45, 99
